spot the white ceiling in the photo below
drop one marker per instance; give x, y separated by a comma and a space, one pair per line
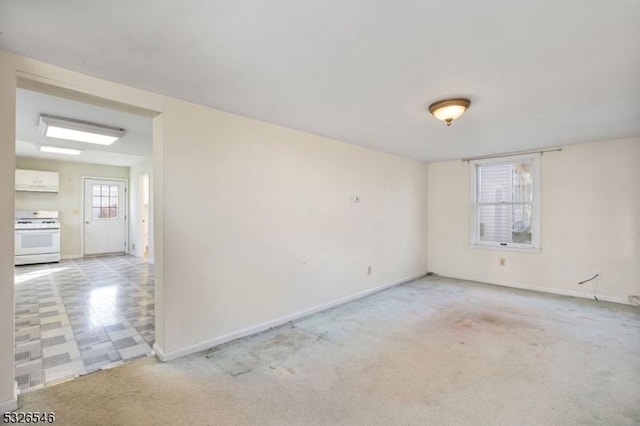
134, 147
538, 73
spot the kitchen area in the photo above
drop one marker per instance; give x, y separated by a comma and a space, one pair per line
83, 246
55, 188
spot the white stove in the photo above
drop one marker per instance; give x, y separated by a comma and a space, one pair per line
37, 237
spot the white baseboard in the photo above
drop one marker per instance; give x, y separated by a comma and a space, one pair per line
216, 341
551, 290
159, 352
11, 404
136, 253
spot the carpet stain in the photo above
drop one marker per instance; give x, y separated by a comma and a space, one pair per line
241, 372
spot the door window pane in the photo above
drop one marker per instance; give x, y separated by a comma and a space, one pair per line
105, 201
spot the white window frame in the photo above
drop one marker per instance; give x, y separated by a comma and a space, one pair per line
535, 208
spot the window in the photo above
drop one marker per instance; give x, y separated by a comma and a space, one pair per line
506, 202
105, 201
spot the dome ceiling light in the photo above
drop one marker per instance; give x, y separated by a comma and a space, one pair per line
449, 109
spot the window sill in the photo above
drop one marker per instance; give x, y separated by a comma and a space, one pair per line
506, 248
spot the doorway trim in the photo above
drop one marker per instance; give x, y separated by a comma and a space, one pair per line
18, 71
126, 209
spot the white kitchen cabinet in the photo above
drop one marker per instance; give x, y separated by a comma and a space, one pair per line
37, 180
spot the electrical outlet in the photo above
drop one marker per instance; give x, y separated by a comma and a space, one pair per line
369, 270
503, 261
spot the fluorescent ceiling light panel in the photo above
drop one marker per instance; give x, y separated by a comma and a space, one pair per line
78, 130
57, 150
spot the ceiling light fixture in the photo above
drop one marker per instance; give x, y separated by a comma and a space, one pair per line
449, 109
78, 130
58, 150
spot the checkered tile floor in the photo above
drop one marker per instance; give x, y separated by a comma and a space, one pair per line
80, 316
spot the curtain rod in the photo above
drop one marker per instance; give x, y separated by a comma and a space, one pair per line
509, 154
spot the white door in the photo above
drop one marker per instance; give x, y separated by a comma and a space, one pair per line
105, 216
144, 214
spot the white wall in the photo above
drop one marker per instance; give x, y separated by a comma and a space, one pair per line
259, 222
136, 245
252, 222
69, 200
590, 222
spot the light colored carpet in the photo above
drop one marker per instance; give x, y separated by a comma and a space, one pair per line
433, 351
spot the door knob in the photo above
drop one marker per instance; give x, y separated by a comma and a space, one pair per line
87, 222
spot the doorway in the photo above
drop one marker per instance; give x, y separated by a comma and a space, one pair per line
105, 216
94, 308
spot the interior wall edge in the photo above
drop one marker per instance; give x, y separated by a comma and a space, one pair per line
36, 75
7, 199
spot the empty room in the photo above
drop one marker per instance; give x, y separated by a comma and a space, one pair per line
320, 213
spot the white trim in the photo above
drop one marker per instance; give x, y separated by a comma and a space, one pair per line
506, 246
208, 344
532, 250
126, 203
11, 404
550, 290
